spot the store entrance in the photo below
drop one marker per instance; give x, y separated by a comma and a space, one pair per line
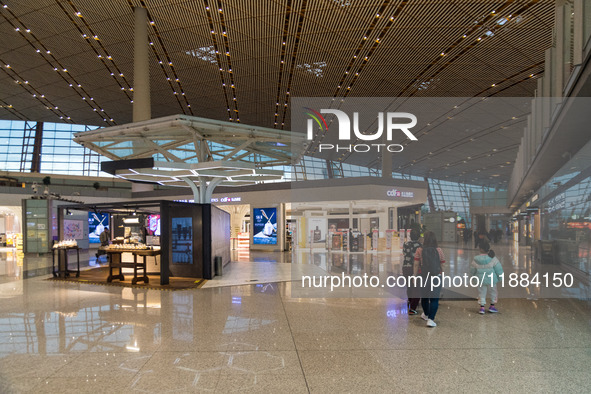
409, 216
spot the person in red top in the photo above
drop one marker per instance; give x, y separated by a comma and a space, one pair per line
430, 304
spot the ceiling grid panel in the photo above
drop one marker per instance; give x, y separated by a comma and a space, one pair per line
44, 51
300, 20
507, 54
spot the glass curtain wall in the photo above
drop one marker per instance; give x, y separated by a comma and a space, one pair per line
59, 153
453, 196
565, 212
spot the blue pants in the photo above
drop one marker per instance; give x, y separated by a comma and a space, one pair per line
430, 305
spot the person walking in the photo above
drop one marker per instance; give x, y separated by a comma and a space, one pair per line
487, 268
409, 250
428, 263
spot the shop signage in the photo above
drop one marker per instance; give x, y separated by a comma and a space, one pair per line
227, 199
399, 193
578, 225
221, 199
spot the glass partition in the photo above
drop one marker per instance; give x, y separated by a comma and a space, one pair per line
566, 212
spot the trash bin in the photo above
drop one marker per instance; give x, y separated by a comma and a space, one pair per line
217, 261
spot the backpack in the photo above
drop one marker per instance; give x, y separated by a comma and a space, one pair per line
409, 249
430, 262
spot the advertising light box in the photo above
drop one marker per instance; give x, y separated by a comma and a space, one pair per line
96, 224
182, 240
154, 225
265, 226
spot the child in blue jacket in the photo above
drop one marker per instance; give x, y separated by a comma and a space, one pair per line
487, 268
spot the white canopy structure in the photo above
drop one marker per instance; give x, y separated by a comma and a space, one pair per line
183, 150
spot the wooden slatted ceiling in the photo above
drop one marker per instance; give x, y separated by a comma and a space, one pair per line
406, 62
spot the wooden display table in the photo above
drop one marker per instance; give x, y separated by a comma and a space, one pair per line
63, 251
116, 262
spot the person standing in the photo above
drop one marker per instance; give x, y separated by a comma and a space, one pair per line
409, 250
105, 237
487, 268
428, 263
480, 235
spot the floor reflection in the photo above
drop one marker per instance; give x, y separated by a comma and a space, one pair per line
261, 337
128, 319
517, 261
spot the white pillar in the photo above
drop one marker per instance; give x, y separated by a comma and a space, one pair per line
394, 211
194, 189
578, 32
386, 162
558, 72
141, 68
141, 74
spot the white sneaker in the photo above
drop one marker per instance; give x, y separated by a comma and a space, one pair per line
424, 317
431, 323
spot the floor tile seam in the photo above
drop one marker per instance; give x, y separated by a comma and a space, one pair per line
247, 284
190, 351
44, 377
229, 352
223, 351
366, 349
517, 348
78, 355
137, 376
294, 342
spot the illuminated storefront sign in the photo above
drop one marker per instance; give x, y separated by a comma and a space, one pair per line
399, 193
227, 199
221, 199
265, 226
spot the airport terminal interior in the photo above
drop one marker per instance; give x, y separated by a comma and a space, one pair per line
193, 196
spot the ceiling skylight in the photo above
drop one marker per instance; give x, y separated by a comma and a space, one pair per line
207, 54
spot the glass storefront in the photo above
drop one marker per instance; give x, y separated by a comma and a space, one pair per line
565, 207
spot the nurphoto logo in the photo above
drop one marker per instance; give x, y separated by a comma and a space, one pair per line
390, 119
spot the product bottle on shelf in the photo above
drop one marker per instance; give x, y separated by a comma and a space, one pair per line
317, 235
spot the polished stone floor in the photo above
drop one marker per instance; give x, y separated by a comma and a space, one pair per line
248, 333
